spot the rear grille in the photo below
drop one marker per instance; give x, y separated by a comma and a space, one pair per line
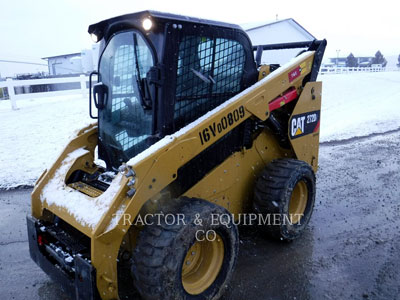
60, 237
86, 189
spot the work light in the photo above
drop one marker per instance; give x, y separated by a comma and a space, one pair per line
147, 24
94, 37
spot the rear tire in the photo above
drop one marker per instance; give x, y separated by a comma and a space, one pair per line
285, 195
170, 263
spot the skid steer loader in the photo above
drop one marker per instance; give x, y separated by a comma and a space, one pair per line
192, 133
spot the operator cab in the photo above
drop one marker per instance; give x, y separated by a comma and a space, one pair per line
159, 72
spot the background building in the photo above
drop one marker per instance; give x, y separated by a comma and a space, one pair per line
64, 64
74, 63
282, 31
12, 66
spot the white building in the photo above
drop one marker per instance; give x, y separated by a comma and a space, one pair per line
90, 58
74, 63
11, 67
282, 31
64, 64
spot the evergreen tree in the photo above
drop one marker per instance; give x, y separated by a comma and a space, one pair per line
379, 59
351, 61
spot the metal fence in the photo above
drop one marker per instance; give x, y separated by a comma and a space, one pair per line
347, 70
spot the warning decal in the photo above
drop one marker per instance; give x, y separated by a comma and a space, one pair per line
296, 72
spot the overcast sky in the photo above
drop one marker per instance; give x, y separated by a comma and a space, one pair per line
30, 29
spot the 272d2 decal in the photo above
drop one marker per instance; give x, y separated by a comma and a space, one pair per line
303, 124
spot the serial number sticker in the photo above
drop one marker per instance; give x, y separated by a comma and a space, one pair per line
217, 127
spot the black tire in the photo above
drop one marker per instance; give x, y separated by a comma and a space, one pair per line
275, 188
162, 250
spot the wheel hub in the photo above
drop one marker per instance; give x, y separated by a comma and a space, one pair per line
298, 202
202, 265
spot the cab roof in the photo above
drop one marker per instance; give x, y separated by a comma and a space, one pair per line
134, 19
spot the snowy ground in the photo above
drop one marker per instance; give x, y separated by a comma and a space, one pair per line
359, 104
33, 136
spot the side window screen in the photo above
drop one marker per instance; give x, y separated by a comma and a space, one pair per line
209, 72
122, 81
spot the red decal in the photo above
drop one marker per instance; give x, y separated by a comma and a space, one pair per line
294, 74
316, 127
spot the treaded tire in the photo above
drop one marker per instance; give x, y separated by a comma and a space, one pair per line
273, 192
161, 249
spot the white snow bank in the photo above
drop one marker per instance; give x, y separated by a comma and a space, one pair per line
359, 104
32, 137
84, 209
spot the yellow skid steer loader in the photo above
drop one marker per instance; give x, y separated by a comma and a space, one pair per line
193, 137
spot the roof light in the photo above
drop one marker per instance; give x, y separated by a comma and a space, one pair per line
94, 37
147, 24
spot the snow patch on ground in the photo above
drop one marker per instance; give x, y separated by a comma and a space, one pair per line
32, 137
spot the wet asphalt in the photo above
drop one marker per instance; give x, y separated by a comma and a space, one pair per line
350, 250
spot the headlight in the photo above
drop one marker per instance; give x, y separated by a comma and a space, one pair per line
147, 24
94, 37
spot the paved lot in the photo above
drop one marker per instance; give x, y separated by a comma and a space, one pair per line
350, 250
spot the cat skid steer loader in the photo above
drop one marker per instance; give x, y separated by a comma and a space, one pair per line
192, 133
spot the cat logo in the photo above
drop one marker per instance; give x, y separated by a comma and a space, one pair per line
304, 124
298, 125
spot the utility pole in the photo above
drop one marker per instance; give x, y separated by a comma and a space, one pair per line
337, 57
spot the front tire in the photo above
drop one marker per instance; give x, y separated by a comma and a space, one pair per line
170, 261
285, 194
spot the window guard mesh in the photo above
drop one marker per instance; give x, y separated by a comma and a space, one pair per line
209, 72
